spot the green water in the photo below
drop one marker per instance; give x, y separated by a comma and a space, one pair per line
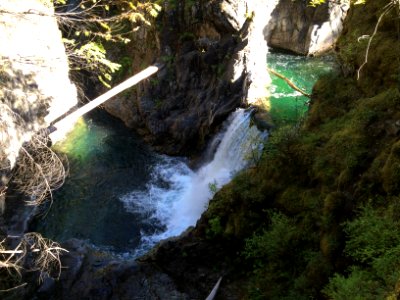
288, 105
106, 160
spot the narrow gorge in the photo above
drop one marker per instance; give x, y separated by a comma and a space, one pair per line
212, 169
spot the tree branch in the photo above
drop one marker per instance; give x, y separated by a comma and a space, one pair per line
388, 8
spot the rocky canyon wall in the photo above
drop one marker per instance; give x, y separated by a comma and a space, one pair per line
34, 84
305, 30
212, 55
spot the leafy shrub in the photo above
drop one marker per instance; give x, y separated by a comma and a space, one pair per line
359, 285
374, 244
371, 235
272, 243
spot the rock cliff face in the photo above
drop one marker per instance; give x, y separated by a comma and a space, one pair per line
213, 56
297, 27
208, 70
34, 86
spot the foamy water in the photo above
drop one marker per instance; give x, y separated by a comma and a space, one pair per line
177, 196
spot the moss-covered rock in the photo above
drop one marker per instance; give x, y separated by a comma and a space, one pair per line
391, 171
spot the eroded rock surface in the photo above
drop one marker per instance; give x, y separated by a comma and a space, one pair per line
34, 86
297, 27
92, 274
212, 55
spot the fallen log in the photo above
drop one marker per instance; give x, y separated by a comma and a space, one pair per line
289, 82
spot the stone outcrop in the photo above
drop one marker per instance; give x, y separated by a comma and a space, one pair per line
170, 271
212, 55
91, 274
34, 86
297, 27
34, 90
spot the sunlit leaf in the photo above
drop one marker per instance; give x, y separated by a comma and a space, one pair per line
359, 2
104, 82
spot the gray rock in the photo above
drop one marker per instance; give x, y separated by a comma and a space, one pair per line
92, 274
305, 30
209, 70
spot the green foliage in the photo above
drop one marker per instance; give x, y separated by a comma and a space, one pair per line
371, 235
168, 60
391, 170
273, 243
284, 267
215, 228
374, 242
100, 21
281, 140
125, 69
92, 56
357, 286
158, 103
271, 252
154, 81
213, 187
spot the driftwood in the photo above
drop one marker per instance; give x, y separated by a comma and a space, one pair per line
289, 82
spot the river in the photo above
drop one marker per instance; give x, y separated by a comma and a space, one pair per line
123, 197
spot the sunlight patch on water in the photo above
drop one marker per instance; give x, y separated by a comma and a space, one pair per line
79, 142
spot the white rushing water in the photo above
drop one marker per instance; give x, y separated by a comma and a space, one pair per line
177, 196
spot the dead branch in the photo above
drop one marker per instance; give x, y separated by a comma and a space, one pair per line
13, 288
33, 253
387, 9
39, 171
47, 255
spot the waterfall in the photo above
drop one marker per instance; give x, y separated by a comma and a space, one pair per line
177, 196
